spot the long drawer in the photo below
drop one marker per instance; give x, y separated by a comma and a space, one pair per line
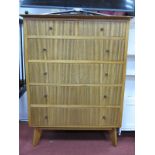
75, 95
75, 73
76, 28
67, 49
74, 117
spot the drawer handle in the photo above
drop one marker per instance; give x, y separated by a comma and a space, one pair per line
50, 28
45, 95
46, 117
104, 117
106, 74
107, 51
44, 50
102, 29
105, 96
45, 73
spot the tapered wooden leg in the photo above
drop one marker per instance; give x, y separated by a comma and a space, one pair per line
113, 136
36, 136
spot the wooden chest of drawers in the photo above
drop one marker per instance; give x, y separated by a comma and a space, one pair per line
75, 69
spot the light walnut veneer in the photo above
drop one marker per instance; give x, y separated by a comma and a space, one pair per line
75, 70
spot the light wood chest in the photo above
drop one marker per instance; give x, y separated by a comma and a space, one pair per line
75, 70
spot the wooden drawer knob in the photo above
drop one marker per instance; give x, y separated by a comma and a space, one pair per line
44, 50
45, 95
105, 96
102, 29
107, 51
46, 117
50, 28
106, 74
45, 73
104, 117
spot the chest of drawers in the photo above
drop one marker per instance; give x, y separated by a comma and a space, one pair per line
75, 72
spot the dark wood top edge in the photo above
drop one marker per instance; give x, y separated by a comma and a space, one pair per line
76, 16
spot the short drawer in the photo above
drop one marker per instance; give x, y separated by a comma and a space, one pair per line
76, 28
75, 95
102, 28
75, 117
75, 73
51, 27
67, 49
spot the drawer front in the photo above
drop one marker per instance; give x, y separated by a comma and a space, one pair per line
74, 117
71, 95
101, 28
76, 28
38, 72
39, 95
51, 27
39, 117
76, 73
66, 49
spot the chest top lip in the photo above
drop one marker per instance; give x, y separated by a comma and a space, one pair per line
76, 17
